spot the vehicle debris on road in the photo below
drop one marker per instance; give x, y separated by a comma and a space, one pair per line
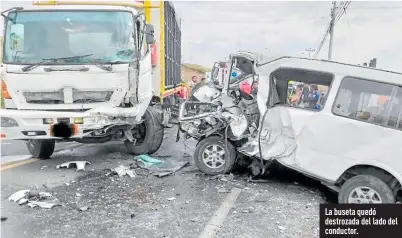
122, 170
222, 190
83, 209
80, 165
35, 199
158, 168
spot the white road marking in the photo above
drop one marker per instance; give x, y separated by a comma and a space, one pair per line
217, 219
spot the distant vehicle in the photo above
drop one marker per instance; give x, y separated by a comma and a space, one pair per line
351, 143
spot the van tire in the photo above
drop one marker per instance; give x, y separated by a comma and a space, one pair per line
229, 157
41, 149
153, 139
369, 182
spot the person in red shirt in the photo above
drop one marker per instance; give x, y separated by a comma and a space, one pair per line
183, 93
245, 87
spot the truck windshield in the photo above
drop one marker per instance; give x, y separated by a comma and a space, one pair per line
103, 36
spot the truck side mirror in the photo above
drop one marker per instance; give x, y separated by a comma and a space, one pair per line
149, 34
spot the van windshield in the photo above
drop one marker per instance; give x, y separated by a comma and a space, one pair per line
103, 36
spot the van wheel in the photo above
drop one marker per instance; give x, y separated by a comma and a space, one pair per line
213, 156
41, 149
365, 189
148, 135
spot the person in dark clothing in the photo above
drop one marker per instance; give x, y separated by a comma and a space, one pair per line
254, 88
312, 97
197, 86
305, 92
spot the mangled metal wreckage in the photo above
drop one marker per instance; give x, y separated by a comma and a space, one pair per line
233, 127
228, 112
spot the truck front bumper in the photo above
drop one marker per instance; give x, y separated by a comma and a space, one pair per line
31, 124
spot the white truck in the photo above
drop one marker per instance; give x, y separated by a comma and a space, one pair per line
88, 72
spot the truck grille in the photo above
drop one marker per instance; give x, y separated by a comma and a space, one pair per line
75, 97
44, 97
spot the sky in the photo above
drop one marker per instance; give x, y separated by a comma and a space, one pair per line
211, 30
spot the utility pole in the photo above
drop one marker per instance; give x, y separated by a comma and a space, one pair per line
331, 29
309, 50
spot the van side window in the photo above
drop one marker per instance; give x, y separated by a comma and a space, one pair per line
304, 95
301, 88
369, 101
395, 111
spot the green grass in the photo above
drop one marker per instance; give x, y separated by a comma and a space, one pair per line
198, 67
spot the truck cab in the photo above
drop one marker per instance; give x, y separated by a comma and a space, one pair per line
79, 72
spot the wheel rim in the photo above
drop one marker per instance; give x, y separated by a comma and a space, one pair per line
139, 133
213, 156
31, 144
364, 195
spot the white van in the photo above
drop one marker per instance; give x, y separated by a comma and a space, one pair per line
342, 124
351, 142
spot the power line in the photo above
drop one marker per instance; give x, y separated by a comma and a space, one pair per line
322, 42
335, 16
339, 13
343, 11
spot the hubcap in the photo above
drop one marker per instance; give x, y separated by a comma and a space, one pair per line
364, 195
139, 133
31, 144
213, 156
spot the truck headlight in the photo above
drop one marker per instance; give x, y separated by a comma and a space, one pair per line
78, 120
8, 122
47, 120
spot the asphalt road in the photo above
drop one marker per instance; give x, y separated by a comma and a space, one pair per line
285, 206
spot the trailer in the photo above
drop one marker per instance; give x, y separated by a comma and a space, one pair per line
166, 50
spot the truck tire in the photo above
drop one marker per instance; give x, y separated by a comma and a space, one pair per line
41, 149
214, 156
365, 189
149, 135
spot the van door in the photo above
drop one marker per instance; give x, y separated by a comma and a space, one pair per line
276, 135
356, 129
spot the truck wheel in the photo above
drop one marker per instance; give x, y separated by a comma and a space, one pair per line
149, 134
213, 156
365, 189
41, 149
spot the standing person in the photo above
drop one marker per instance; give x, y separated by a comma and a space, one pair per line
194, 79
245, 87
183, 93
254, 88
306, 90
296, 98
312, 97
197, 86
